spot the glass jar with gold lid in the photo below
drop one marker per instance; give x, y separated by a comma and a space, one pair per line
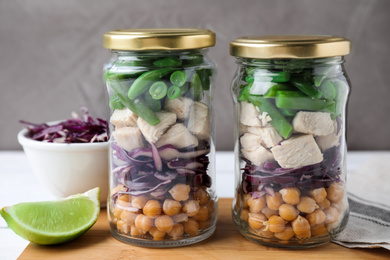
290, 95
162, 151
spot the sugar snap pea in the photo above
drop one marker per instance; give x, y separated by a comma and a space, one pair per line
328, 89
204, 75
154, 104
305, 87
168, 62
192, 60
244, 92
271, 92
158, 90
184, 89
281, 124
145, 112
141, 84
299, 101
115, 102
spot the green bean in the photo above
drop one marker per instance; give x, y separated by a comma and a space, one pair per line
271, 92
158, 90
145, 112
196, 88
184, 89
141, 84
173, 92
244, 92
192, 60
136, 106
299, 101
178, 78
154, 104
204, 75
115, 102
288, 112
168, 62
115, 75
306, 87
281, 124
328, 89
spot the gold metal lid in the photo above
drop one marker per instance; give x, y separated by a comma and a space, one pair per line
158, 39
290, 46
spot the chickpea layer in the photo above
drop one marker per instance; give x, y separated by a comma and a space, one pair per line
293, 214
183, 213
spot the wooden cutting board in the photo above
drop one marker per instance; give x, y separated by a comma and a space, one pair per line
226, 243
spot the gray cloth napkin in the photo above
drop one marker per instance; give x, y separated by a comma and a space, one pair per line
369, 204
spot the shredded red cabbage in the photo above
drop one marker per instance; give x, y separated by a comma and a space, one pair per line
75, 130
270, 177
152, 171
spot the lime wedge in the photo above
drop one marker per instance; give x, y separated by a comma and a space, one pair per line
54, 222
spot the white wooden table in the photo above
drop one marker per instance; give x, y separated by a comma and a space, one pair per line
19, 184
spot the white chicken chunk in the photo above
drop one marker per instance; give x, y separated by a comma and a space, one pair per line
153, 132
180, 106
269, 135
252, 149
178, 136
123, 117
249, 114
199, 121
298, 151
315, 123
328, 141
128, 138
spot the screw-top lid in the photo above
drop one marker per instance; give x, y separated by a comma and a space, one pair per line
158, 39
290, 46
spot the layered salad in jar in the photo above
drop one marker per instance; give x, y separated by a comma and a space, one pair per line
291, 151
161, 143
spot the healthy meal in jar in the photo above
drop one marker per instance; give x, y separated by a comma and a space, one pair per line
290, 95
160, 84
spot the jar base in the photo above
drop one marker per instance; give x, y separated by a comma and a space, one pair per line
164, 243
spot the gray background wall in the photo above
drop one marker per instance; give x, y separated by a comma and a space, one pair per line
51, 54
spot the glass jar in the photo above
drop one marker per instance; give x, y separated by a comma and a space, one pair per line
290, 95
162, 151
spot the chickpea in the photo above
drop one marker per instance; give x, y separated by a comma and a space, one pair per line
274, 202
245, 200
316, 218
203, 214
139, 202
204, 224
152, 208
117, 212
290, 195
157, 234
265, 233
191, 227
143, 223
256, 220
171, 207
124, 201
180, 192
245, 215
120, 187
300, 225
122, 227
134, 231
211, 207
286, 234
307, 205
176, 232
269, 212
128, 217
305, 235
339, 206
335, 192
288, 212
181, 217
332, 215
191, 207
202, 196
324, 204
276, 224
164, 223
319, 230
318, 194
256, 205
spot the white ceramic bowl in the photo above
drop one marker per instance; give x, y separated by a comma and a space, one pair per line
67, 169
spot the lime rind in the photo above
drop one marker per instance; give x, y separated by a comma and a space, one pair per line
39, 236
